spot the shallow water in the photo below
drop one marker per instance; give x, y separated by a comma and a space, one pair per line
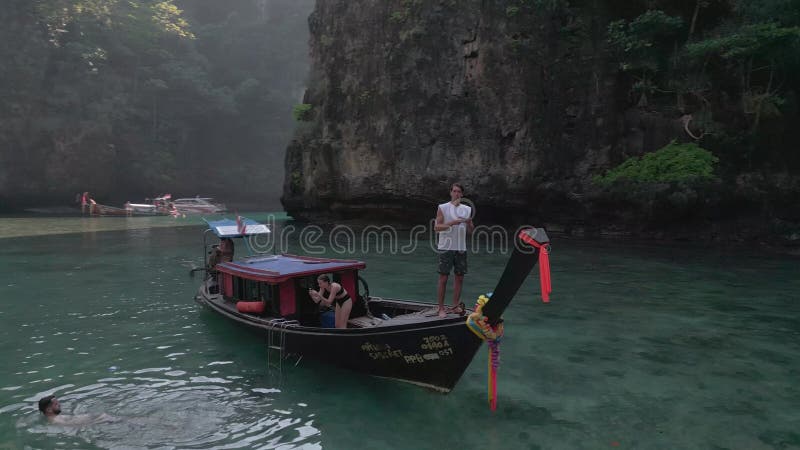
642, 347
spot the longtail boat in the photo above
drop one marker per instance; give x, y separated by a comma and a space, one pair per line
96, 209
386, 337
129, 209
198, 205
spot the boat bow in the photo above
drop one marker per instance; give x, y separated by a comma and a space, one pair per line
530, 245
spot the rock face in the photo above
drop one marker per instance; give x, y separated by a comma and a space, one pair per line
410, 96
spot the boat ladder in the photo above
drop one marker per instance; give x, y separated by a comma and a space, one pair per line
276, 340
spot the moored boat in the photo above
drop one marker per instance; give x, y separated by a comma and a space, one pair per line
96, 209
197, 205
129, 209
145, 209
386, 337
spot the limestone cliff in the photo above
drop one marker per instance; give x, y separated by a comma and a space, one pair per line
409, 96
523, 107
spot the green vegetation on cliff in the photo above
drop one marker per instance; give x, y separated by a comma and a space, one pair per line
302, 112
731, 68
674, 162
132, 98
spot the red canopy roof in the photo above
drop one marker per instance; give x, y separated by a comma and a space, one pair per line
279, 268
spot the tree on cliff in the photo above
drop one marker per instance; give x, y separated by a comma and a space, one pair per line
129, 98
735, 73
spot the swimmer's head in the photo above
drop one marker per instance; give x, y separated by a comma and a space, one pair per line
49, 405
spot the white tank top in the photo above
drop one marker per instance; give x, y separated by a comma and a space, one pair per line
455, 237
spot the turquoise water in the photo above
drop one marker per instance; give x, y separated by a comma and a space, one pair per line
642, 347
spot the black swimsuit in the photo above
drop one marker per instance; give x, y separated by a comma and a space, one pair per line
339, 300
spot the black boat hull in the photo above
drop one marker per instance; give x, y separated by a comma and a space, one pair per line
425, 350
433, 355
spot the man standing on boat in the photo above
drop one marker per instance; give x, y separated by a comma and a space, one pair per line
453, 222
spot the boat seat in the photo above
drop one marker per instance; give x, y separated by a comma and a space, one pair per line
364, 322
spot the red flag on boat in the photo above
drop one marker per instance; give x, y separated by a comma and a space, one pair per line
167, 196
544, 265
240, 225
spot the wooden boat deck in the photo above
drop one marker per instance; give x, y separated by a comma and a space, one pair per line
426, 315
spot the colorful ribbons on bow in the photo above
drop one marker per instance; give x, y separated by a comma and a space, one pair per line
479, 324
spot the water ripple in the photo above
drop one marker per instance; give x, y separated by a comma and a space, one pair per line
153, 412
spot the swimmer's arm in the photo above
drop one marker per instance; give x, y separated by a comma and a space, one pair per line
81, 419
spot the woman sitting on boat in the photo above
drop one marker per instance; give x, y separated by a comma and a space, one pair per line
330, 293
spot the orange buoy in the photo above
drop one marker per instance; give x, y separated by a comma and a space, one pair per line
250, 307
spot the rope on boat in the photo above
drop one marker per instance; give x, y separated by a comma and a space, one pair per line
479, 324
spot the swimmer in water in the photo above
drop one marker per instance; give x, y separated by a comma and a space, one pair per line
51, 408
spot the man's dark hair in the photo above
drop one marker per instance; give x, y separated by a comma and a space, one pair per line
44, 402
458, 185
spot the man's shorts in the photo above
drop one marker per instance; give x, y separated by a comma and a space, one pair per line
450, 258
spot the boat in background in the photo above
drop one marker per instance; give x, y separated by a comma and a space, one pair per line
97, 209
189, 205
386, 337
145, 209
130, 209
159, 206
